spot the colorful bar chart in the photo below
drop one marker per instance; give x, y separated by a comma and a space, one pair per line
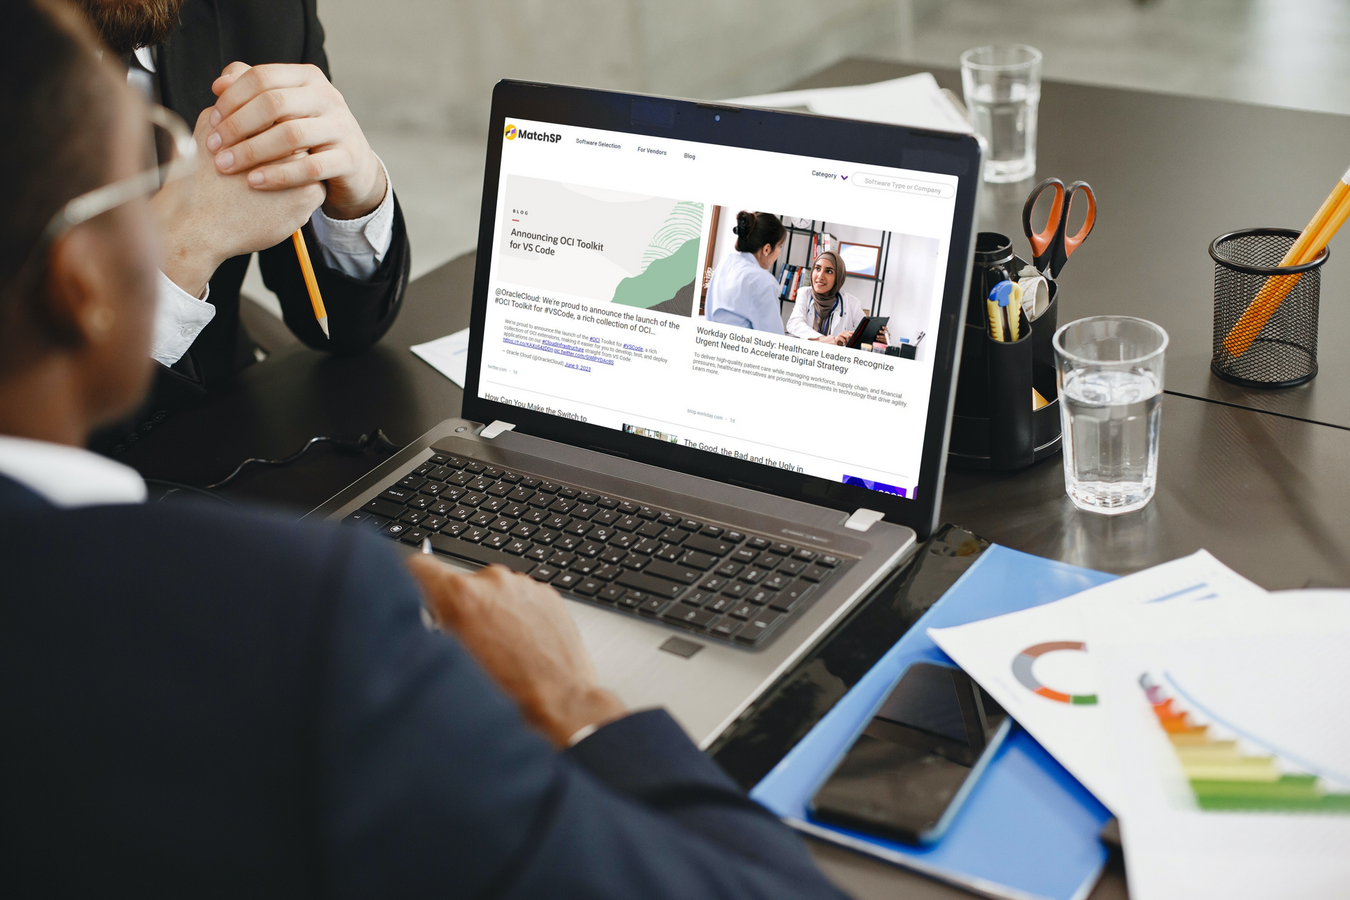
1226, 779
1024, 662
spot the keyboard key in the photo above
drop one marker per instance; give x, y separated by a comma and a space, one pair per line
442, 459
806, 555
745, 555
691, 525
783, 549
524, 530
698, 560
425, 469
606, 517
670, 520
482, 519
613, 555
628, 523
635, 561
500, 489
777, 581
830, 562
455, 529
413, 536
590, 549
647, 546
431, 523
584, 566
761, 596
520, 495
743, 610
503, 524
512, 477
791, 567
411, 482
539, 554
497, 541
517, 547
610, 594
460, 513
707, 545
726, 628
366, 520
583, 511
669, 553
658, 587
607, 502
420, 502
623, 540
387, 508
736, 589
412, 516
601, 534
633, 599
568, 542
398, 494
529, 481
674, 536
562, 506
681, 574
493, 472
479, 554
481, 483
546, 536
721, 603
652, 530
653, 606
541, 500
729, 569
395, 529
816, 573
753, 575
566, 580
628, 507
647, 512
789, 599
493, 504
696, 598
569, 493
579, 528
474, 534
758, 626
459, 479
768, 561
535, 516
608, 572
588, 587
557, 522
472, 498
759, 543
733, 537
548, 487
432, 489
713, 583
711, 531
587, 497
689, 615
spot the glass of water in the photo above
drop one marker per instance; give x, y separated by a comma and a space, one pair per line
1002, 84
1110, 392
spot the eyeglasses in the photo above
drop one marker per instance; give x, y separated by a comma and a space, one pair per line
182, 150
174, 144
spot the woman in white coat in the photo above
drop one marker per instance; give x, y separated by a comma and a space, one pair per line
823, 311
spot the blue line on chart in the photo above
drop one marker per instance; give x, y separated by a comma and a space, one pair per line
1175, 594
1303, 764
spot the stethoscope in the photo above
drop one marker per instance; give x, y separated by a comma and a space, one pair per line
830, 317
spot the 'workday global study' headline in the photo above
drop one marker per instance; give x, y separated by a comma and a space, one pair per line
798, 354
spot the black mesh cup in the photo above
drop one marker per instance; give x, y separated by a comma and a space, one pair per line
1282, 351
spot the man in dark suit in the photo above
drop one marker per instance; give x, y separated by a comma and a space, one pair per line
283, 152
199, 702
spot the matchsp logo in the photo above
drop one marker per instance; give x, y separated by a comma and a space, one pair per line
512, 132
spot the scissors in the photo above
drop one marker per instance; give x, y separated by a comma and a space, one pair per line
1052, 248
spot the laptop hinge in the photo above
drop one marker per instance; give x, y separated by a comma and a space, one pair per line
495, 429
864, 519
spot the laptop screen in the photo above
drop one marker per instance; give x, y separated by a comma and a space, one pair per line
707, 295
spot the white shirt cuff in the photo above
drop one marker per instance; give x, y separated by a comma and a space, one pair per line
356, 247
179, 318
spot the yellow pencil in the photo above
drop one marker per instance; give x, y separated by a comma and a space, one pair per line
311, 283
1314, 239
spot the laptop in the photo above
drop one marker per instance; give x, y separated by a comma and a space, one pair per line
647, 426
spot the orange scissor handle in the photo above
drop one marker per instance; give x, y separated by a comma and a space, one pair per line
1042, 242
1070, 244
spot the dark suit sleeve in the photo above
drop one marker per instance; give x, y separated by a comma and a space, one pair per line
430, 784
360, 311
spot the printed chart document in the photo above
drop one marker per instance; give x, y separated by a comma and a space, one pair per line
914, 100
448, 355
1229, 726
1036, 663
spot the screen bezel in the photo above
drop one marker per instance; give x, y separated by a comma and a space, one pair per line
865, 143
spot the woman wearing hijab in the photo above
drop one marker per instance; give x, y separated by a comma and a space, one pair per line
823, 311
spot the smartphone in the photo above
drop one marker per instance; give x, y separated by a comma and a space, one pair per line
910, 770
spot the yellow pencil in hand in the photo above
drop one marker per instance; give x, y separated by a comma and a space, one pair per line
311, 283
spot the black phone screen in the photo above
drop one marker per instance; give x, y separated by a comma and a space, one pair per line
903, 774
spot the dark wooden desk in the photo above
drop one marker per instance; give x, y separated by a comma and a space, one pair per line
1262, 491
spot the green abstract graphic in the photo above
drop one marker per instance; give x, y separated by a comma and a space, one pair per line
669, 265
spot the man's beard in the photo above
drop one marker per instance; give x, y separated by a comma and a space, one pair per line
126, 25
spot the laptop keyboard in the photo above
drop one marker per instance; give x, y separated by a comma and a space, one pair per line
636, 559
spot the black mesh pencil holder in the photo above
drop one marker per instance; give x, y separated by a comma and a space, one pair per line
1280, 351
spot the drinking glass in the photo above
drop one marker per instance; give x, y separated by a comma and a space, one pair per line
1110, 391
1002, 85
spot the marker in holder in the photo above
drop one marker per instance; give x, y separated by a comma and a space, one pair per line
1284, 353
995, 425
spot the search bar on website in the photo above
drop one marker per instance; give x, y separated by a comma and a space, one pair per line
904, 185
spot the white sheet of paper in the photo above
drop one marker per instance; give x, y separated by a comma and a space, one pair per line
1269, 675
915, 100
448, 355
995, 653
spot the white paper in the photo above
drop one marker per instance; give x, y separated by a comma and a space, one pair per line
915, 101
1270, 675
1075, 733
448, 355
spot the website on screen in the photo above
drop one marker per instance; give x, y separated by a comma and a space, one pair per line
625, 292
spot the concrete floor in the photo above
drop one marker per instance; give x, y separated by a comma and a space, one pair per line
1292, 53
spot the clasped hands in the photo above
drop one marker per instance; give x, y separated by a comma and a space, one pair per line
279, 143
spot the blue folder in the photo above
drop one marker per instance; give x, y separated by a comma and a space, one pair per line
1028, 829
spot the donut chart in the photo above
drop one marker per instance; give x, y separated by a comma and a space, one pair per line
1021, 667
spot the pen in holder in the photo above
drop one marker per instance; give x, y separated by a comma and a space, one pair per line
996, 423
1280, 349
